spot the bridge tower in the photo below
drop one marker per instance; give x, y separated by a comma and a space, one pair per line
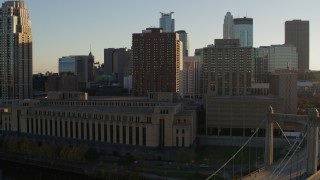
312, 119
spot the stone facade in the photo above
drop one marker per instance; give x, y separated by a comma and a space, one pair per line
140, 122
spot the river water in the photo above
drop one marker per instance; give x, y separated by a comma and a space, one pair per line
13, 171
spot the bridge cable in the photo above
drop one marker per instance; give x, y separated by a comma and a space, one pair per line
294, 144
292, 154
213, 174
296, 148
283, 133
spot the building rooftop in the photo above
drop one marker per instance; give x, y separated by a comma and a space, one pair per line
185, 113
106, 109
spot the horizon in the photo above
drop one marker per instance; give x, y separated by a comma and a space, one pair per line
72, 28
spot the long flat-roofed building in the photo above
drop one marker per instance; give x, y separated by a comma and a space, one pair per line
147, 122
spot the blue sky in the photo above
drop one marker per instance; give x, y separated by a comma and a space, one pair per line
68, 27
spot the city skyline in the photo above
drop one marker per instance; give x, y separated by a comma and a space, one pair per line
56, 33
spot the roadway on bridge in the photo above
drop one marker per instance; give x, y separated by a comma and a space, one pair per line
295, 168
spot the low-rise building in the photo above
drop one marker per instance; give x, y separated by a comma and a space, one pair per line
154, 122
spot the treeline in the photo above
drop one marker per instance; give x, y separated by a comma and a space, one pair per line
49, 149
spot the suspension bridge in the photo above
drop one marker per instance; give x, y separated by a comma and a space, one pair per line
298, 162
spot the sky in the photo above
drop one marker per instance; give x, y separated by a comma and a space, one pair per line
70, 27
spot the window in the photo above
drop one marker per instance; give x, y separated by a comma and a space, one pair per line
99, 132
144, 136
137, 136
111, 133
124, 138
105, 133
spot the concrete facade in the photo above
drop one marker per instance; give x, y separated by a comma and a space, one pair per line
238, 115
284, 85
227, 68
140, 122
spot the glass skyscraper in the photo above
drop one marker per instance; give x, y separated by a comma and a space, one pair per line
243, 30
166, 22
15, 51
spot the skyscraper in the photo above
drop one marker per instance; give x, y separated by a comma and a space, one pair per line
157, 60
191, 76
166, 22
81, 66
243, 30
297, 33
227, 68
183, 37
282, 56
116, 62
15, 51
228, 26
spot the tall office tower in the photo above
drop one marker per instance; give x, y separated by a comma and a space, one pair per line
243, 30
81, 66
166, 22
199, 53
156, 61
191, 76
260, 64
228, 26
227, 68
15, 51
297, 33
116, 61
282, 57
183, 36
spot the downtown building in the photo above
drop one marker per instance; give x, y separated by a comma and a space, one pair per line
297, 33
166, 22
269, 59
243, 30
227, 68
191, 77
82, 66
15, 51
183, 37
228, 26
115, 124
117, 62
157, 62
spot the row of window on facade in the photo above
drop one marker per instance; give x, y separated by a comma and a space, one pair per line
83, 103
87, 131
89, 116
